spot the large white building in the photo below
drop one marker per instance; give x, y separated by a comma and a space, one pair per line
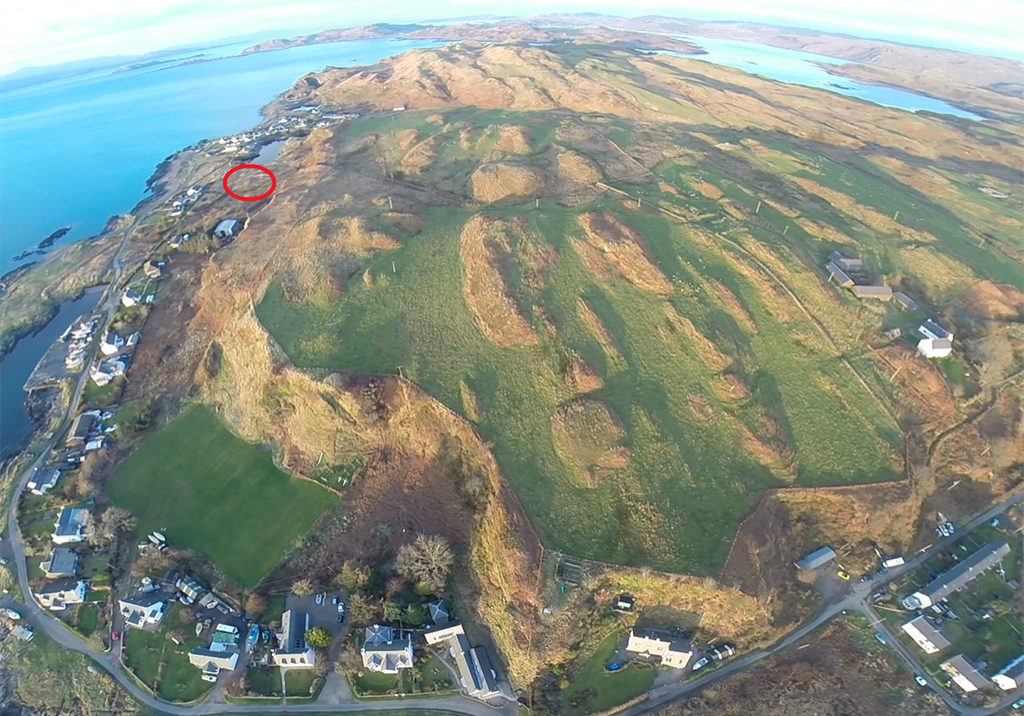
675, 651
293, 651
958, 577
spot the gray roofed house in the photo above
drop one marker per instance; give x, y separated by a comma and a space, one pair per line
931, 329
386, 650
964, 674
1010, 676
438, 612
42, 485
70, 525
80, 431
883, 293
817, 558
61, 593
142, 610
935, 347
958, 577
293, 650
213, 661
846, 264
488, 680
62, 563
904, 300
926, 635
838, 274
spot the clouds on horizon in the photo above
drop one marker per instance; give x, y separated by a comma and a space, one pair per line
49, 32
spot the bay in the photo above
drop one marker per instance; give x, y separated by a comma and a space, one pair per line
79, 150
804, 68
17, 366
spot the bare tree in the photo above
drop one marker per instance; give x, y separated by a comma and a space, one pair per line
113, 521
255, 604
303, 587
349, 660
428, 559
995, 353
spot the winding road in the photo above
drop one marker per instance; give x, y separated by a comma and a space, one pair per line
855, 598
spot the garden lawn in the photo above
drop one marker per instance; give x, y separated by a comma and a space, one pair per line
373, 683
209, 491
146, 652
298, 681
610, 689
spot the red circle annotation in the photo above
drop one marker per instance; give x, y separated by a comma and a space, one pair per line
268, 192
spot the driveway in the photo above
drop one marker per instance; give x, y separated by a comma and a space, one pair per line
320, 615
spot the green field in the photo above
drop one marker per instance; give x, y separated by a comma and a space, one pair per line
212, 492
608, 689
372, 682
679, 501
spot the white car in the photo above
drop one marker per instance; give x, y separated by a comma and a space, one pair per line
320, 598
920, 680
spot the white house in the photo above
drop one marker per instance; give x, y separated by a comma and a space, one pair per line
1010, 676
70, 525
293, 651
130, 298
141, 610
926, 635
674, 650
61, 593
111, 344
935, 347
386, 650
42, 485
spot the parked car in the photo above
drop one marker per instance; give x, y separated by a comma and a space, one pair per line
341, 607
843, 575
334, 600
115, 635
4, 560
701, 663
950, 528
920, 680
320, 598
1017, 704
341, 618
881, 637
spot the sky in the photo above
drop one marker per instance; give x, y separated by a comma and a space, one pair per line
47, 32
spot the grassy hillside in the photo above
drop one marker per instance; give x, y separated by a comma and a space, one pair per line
708, 383
211, 492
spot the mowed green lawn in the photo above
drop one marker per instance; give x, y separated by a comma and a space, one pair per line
209, 491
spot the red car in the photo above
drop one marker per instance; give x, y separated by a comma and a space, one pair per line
115, 635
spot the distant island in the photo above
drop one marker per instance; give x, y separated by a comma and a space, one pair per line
44, 244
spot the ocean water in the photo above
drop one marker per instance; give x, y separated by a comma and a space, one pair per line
802, 68
77, 151
16, 367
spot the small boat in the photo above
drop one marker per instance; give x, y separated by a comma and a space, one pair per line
154, 540
252, 638
11, 614
160, 536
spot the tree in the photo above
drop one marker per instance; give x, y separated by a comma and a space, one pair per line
255, 604
416, 615
361, 609
319, 638
352, 578
427, 560
349, 660
112, 522
302, 587
394, 610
